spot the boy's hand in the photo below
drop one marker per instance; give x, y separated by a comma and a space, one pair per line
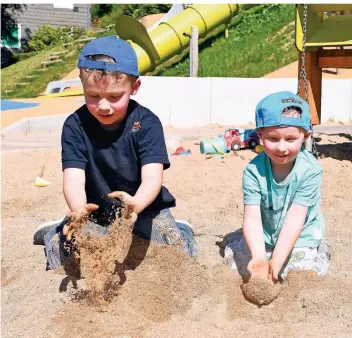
128, 201
76, 217
258, 268
274, 270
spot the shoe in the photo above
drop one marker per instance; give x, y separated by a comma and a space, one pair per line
43, 229
324, 247
181, 221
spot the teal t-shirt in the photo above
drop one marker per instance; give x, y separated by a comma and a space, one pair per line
302, 187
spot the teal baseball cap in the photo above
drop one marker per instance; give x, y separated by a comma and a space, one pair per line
120, 50
269, 111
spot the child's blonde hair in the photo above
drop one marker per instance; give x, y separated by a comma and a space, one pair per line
98, 74
292, 111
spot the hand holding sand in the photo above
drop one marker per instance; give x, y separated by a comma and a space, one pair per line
258, 268
77, 219
128, 202
260, 289
273, 270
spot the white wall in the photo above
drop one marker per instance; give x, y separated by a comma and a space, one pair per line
196, 102
337, 100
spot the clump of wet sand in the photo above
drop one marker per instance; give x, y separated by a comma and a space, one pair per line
261, 291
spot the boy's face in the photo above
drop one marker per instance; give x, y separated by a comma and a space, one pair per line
107, 100
282, 145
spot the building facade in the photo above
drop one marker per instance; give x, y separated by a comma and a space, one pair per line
36, 15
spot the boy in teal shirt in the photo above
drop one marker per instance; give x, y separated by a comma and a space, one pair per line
283, 227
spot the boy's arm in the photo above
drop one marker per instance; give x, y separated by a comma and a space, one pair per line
253, 231
307, 195
152, 178
254, 236
252, 223
74, 188
289, 234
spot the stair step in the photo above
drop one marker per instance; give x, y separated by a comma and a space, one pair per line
60, 52
30, 76
7, 91
48, 63
78, 41
22, 84
53, 57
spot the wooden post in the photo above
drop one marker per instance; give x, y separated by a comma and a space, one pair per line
314, 79
193, 52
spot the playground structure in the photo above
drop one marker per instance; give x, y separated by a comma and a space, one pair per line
167, 38
170, 38
316, 31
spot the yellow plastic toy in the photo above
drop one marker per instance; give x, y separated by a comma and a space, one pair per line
258, 148
40, 181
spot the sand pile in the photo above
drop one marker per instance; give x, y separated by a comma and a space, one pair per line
158, 283
160, 279
102, 258
261, 291
167, 289
205, 302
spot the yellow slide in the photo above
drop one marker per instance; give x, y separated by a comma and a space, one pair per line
168, 39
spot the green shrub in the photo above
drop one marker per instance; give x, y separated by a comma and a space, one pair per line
46, 36
69, 33
99, 10
139, 11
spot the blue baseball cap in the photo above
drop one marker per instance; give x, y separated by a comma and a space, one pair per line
269, 111
120, 50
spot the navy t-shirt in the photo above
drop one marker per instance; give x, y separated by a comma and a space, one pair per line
113, 160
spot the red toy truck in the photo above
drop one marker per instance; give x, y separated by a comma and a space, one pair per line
237, 139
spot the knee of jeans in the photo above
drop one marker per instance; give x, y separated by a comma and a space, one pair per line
50, 236
185, 228
95, 229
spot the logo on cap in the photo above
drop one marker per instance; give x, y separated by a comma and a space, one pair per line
291, 100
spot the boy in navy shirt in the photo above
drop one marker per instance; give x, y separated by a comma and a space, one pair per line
113, 151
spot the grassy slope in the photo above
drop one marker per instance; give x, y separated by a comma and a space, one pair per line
260, 43
17, 72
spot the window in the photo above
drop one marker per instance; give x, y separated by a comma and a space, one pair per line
15, 40
63, 4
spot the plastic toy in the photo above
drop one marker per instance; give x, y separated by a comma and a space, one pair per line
237, 139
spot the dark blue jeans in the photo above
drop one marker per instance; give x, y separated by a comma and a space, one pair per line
160, 227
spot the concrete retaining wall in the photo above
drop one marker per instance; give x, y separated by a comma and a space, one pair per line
197, 102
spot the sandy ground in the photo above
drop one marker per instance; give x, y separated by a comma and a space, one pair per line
173, 297
291, 70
